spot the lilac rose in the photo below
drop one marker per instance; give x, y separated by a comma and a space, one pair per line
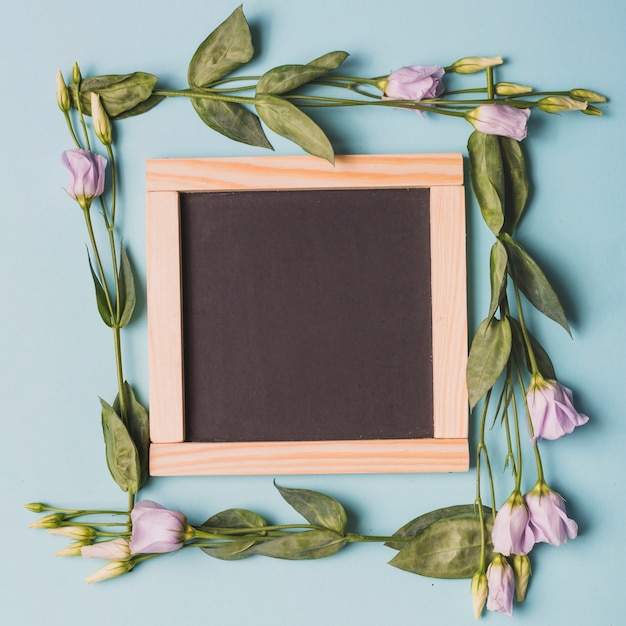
499, 119
511, 533
156, 529
86, 175
415, 82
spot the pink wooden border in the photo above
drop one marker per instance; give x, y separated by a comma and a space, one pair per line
448, 451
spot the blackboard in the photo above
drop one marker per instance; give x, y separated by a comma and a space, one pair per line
301, 307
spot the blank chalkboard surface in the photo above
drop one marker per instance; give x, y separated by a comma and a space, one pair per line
307, 319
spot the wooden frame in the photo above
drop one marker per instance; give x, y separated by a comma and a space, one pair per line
447, 451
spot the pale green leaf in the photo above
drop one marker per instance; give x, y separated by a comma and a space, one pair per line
497, 272
317, 508
101, 299
237, 548
516, 182
295, 546
128, 297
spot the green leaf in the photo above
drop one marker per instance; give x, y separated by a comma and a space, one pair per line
101, 299
419, 524
138, 426
533, 283
237, 548
128, 297
544, 363
317, 508
142, 107
497, 266
231, 120
489, 353
228, 47
447, 548
487, 177
516, 182
119, 93
296, 546
289, 77
288, 121
121, 453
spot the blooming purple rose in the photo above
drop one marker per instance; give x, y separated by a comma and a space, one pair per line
551, 409
501, 582
548, 518
511, 533
499, 119
415, 83
156, 529
86, 175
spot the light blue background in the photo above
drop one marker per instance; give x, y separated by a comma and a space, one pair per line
57, 356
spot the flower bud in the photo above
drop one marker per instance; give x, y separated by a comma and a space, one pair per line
63, 94
80, 533
559, 104
471, 65
591, 110
522, 570
116, 550
74, 549
101, 122
585, 95
111, 570
76, 75
479, 589
48, 521
36, 507
512, 89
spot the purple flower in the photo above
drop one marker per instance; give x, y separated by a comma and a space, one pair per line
86, 175
415, 82
548, 518
501, 582
156, 529
499, 119
116, 550
511, 533
552, 412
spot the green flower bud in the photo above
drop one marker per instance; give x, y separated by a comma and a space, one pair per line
511, 89
63, 94
101, 122
48, 521
522, 569
36, 507
471, 65
559, 104
479, 589
585, 95
591, 110
74, 549
111, 570
80, 533
76, 75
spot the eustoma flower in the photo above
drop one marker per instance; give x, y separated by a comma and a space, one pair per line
499, 119
548, 519
551, 409
501, 583
414, 82
156, 529
511, 533
86, 175
116, 550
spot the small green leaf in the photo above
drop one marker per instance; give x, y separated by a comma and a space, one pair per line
231, 120
516, 182
419, 524
544, 363
288, 121
289, 77
487, 177
489, 353
447, 548
128, 297
119, 93
228, 47
142, 107
310, 544
101, 299
121, 453
533, 283
237, 548
317, 508
497, 266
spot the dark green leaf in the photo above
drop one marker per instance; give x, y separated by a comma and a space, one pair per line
447, 548
497, 266
121, 453
289, 77
142, 107
533, 283
288, 121
318, 509
101, 299
233, 518
544, 363
489, 353
228, 47
419, 524
119, 93
231, 120
516, 182
487, 177
310, 544
128, 298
